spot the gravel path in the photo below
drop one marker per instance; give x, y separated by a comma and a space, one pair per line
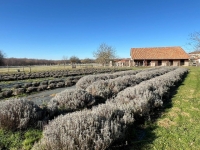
45, 96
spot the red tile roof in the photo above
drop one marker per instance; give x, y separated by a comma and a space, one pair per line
195, 52
159, 53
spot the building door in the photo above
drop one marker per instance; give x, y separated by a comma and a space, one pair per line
148, 62
159, 62
170, 62
182, 62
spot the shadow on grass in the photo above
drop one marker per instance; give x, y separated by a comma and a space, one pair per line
141, 133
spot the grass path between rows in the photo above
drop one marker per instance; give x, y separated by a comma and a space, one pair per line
178, 128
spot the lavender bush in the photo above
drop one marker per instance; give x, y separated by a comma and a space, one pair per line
153, 90
111, 87
99, 127
98, 92
87, 129
18, 114
70, 100
85, 81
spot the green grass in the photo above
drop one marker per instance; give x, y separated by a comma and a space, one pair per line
178, 127
37, 68
19, 140
41, 68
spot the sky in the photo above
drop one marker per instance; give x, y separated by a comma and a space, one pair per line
51, 29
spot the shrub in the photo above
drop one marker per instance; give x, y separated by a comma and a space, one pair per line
44, 83
18, 91
17, 86
26, 85
68, 83
107, 88
35, 84
52, 81
31, 89
7, 93
153, 90
32, 76
60, 84
70, 100
51, 86
85, 81
42, 88
18, 114
56, 76
100, 127
95, 129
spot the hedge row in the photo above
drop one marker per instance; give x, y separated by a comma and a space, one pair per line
99, 91
56, 74
88, 129
66, 101
30, 87
85, 81
20, 113
153, 91
99, 127
105, 89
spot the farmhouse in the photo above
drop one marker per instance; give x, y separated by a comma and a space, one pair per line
195, 54
159, 56
195, 57
123, 62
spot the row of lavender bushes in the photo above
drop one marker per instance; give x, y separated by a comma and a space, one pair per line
19, 89
19, 114
99, 127
85, 81
79, 98
104, 89
56, 74
97, 92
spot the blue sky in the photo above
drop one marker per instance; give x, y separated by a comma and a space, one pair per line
51, 29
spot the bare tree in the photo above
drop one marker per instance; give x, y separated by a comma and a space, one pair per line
104, 54
2, 56
64, 60
195, 40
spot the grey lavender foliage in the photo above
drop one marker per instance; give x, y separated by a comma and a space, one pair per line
153, 90
111, 87
87, 129
18, 114
70, 100
99, 127
85, 81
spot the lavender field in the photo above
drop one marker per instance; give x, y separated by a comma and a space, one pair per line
96, 114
